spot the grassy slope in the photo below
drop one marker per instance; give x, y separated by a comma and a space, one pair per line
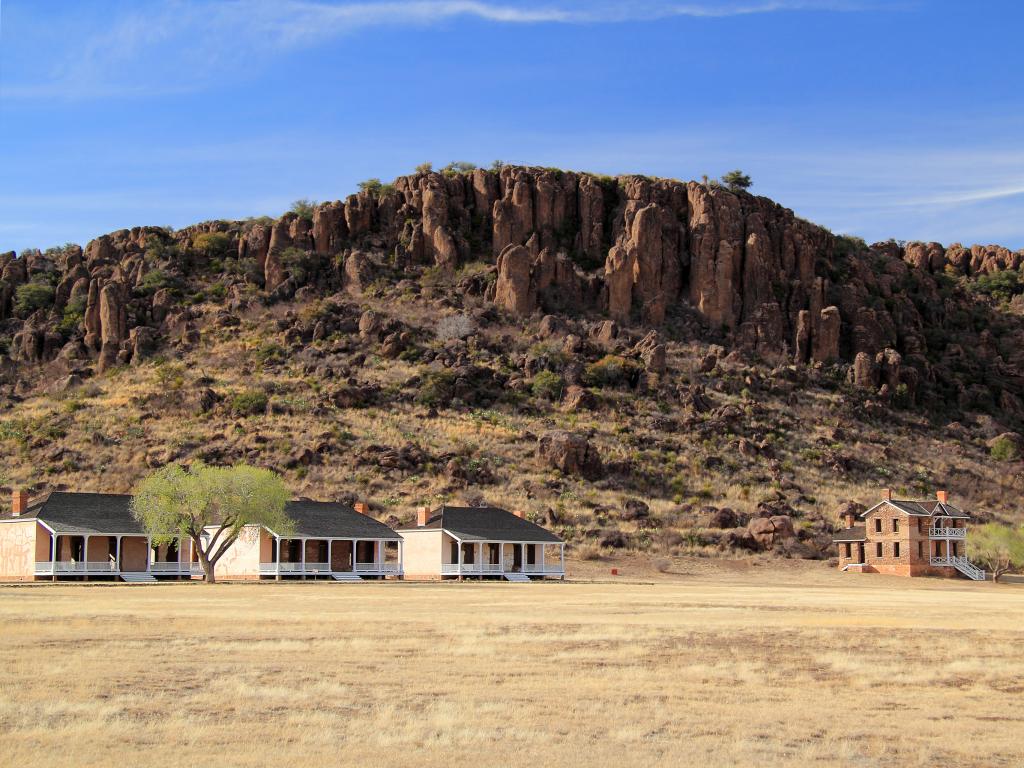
107, 435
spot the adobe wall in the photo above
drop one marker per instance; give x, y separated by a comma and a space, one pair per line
422, 553
18, 550
134, 553
242, 560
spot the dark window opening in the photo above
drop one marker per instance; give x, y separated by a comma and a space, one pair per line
878, 525
895, 525
849, 550
896, 549
878, 549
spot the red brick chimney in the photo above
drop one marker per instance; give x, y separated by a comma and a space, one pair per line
887, 494
19, 502
850, 518
519, 513
942, 496
422, 515
361, 507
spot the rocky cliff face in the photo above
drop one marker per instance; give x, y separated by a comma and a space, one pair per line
686, 257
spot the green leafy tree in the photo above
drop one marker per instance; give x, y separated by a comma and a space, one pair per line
212, 506
1004, 449
424, 168
32, 296
213, 245
998, 548
736, 181
373, 186
304, 208
548, 385
457, 167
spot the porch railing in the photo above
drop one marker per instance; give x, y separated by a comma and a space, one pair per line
478, 569
171, 567
947, 533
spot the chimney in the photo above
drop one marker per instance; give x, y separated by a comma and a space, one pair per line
361, 507
519, 513
19, 502
850, 518
887, 494
422, 514
942, 496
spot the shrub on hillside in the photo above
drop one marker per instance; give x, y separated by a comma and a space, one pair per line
612, 371
548, 385
1004, 449
304, 208
213, 245
436, 389
74, 313
736, 181
31, 297
251, 402
1001, 286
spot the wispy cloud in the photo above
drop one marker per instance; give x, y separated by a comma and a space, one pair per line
183, 45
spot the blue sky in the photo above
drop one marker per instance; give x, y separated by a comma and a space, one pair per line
882, 119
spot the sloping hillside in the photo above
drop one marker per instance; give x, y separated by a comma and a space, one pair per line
643, 363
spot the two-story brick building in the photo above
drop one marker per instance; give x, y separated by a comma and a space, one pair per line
907, 538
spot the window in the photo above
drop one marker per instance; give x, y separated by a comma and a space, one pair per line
896, 549
849, 550
895, 525
920, 549
878, 525
878, 549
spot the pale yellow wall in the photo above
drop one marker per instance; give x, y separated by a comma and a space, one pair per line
17, 550
421, 553
242, 560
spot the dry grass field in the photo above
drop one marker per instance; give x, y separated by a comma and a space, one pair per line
774, 666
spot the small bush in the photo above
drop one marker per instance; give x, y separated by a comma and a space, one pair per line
31, 297
213, 245
548, 385
612, 371
436, 388
588, 552
270, 352
74, 313
249, 403
373, 186
458, 167
1004, 449
304, 208
155, 280
425, 168
455, 327
299, 263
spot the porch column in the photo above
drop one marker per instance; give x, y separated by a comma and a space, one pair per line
303, 559
53, 556
522, 558
85, 556
117, 555
149, 552
562, 556
277, 558
459, 550
330, 555
355, 555
479, 558
542, 548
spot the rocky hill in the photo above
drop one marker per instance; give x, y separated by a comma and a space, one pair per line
646, 363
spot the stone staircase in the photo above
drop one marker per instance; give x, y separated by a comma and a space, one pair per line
346, 576
517, 577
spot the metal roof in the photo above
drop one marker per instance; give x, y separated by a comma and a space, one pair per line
328, 519
487, 524
856, 533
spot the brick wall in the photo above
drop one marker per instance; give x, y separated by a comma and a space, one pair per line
907, 535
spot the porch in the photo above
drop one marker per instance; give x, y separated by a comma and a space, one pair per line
311, 558
498, 558
112, 556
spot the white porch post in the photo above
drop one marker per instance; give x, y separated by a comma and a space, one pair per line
303, 558
330, 555
149, 552
277, 557
355, 556
479, 557
380, 554
562, 558
542, 548
53, 556
459, 549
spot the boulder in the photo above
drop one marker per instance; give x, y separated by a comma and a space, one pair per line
571, 453
513, 290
